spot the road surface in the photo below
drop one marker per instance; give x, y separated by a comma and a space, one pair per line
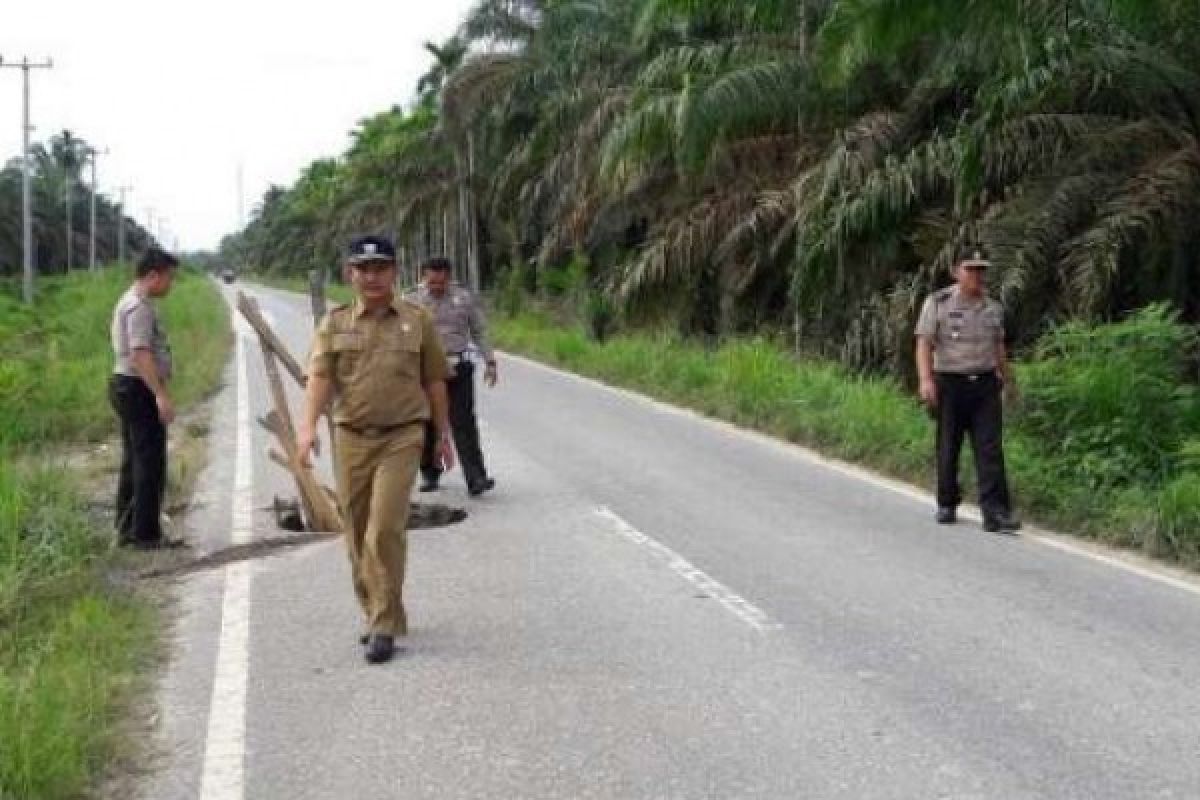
652, 605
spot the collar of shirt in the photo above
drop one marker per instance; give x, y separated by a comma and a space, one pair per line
962, 300
359, 308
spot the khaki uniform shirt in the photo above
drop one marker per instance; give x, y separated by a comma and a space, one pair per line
379, 363
964, 332
135, 326
458, 317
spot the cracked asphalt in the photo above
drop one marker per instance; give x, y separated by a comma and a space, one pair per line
651, 605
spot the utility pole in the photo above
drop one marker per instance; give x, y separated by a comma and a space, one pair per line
26, 200
92, 154
122, 190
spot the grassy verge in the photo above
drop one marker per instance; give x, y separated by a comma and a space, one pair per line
71, 639
1072, 449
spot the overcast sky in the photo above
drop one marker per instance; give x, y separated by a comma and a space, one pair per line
182, 92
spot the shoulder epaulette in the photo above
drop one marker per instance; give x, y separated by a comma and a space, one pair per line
943, 294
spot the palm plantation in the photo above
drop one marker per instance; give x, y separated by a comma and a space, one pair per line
61, 203
733, 166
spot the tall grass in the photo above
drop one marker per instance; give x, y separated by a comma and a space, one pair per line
70, 641
1099, 446
55, 360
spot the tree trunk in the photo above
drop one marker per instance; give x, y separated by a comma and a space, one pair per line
472, 221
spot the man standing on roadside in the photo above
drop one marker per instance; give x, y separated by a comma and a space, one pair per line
962, 363
138, 391
380, 358
459, 320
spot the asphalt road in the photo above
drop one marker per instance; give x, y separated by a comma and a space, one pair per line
652, 605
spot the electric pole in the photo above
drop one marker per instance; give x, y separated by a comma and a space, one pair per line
26, 200
92, 153
122, 190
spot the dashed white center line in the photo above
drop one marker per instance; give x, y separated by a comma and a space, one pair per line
1158, 573
730, 600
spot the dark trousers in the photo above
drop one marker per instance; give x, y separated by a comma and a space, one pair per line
461, 390
971, 405
143, 475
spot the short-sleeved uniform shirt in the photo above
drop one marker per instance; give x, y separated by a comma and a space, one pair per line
135, 325
965, 332
379, 363
458, 317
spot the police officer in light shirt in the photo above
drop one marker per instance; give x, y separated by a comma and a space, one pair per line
459, 320
962, 363
140, 395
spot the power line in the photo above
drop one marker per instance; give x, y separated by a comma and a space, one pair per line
26, 200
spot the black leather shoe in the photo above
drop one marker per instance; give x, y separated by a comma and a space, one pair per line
428, 485
484, 485
946, 515
380, 648
1001, 523
157, 544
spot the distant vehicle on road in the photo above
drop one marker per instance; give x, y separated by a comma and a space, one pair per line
228, 275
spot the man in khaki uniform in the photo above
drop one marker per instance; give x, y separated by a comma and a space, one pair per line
962, 363
381, 359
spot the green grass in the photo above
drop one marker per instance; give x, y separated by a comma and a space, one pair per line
1080, 479
55, 363
71, 640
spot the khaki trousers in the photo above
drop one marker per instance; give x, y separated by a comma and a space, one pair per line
375, 478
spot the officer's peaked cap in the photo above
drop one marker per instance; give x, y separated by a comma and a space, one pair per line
367, 249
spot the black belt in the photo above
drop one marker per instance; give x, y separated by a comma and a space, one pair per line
968, 376
372, 430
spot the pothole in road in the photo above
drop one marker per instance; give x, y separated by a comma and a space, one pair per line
421, 516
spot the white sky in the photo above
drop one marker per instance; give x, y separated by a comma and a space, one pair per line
182, 92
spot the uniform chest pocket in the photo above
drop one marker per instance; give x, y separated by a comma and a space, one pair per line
993, 321
347, 349
401, 356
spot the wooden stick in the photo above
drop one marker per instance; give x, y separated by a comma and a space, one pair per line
249, 308
320, 513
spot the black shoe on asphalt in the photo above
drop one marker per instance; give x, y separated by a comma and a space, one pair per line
482, 486
1001, 523
157, 544
380, 648
946, 515
428, 485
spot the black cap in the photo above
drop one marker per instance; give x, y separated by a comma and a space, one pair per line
366, 249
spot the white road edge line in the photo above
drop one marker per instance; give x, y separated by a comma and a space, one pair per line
223, 776
1162, 574
733, 602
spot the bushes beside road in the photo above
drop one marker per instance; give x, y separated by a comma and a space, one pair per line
1105, 442
71, 639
